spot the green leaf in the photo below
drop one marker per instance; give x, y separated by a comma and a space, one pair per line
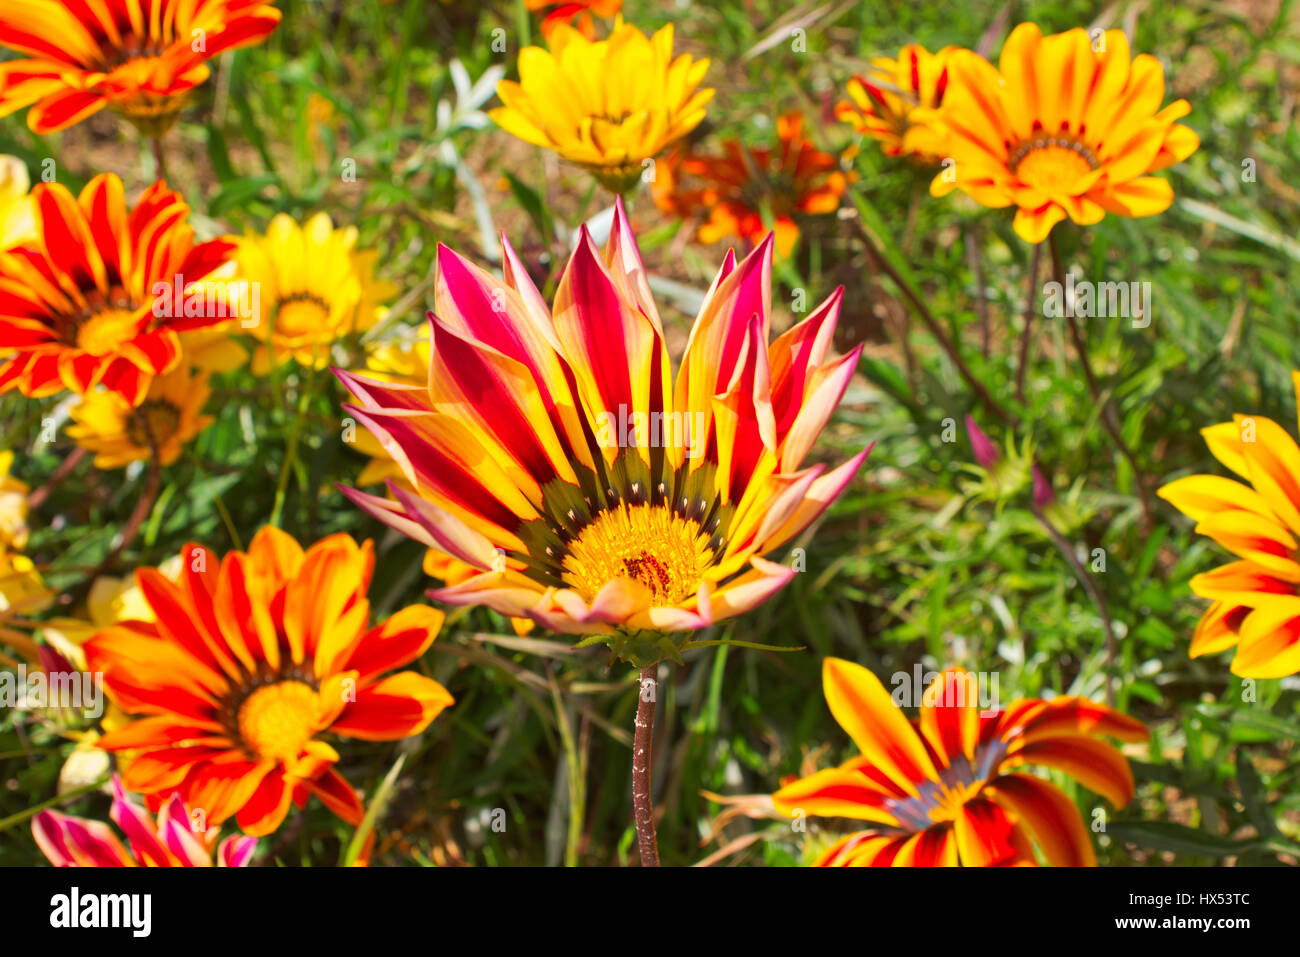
1176, 838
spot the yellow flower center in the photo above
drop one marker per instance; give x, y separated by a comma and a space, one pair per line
951, 798
303, 314
162, 418
277, 720
1048, 161
648, 543
103, 333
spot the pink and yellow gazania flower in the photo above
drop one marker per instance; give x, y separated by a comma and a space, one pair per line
552, 451
1059, 129
249, 660
884, 105
138, 57
404, 359
947, 789
1256, 599
81, 306
745, 193
172, 840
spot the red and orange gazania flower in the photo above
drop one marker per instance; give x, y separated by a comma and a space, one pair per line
250, 659
946, 788
1256, 600
748, 192
1059, 129
138, 57
884, 104
170, 841
575, 13
551, 450
77, 305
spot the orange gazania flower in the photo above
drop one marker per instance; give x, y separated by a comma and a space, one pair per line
137, 56
250, 659
551, 451
78, 306
576, 13
1060, 129
746, 189
883, 104
945, 789
1256, 600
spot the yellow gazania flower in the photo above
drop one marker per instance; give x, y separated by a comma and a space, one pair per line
1256, 599
606, 105
108, 426
22, 590
1060, 129
886, 103
17, 208
214, 348
22, 594
313, 288
13, 506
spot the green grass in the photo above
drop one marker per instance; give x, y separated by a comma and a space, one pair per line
918, 562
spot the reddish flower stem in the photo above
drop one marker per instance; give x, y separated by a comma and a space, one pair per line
643, 811
66, 467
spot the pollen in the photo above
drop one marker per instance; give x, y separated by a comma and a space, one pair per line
162, 417
1051, 161
104, 332
277, 720
301, 314
647, 543
950, 799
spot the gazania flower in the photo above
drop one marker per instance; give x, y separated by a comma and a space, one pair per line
314, 287
946, 788
1059, 129
22, 589
749, 192
170, 841
1256, 599
883, 104
139, 57
168, 418
250, 660
87, 303
551, 450
403, 359
577, 13
606, 105
13, 506
17, 210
